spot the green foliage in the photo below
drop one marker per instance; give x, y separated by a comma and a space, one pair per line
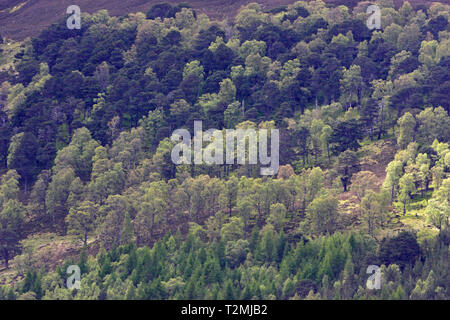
402, 250
86, 121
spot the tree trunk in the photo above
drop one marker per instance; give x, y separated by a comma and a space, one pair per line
380, 124
53, 215
6, 257
328, 152
85, 237
351, 97
392, 195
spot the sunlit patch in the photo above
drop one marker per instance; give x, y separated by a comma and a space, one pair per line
17, 7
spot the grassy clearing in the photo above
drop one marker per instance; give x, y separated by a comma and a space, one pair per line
415, 217
43, 250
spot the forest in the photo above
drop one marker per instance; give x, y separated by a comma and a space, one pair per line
86, 176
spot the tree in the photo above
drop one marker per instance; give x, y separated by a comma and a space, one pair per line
233, 230
443, 193
246, 211
233, 115
12, 216
327, 131
410, 38
78, 154
162, 10
346, 134
9, 187
152, 213
57, 194
382, 90
402, 250
322, 214
370, 208
402, 63
348, 164
394, 172
277, 216
424, 174
127, 235
252, 47
153, 125
427, 53
406, 189
37, 196
227, 92
317, 142
438, 213
433, 124
438, 208
236, 252
81, 221
5, 130
113, 214
351, 83
22, 156
194, 68
407, 125
213, 190
179, 110
106, 183
102, 75
230, 193
77, 193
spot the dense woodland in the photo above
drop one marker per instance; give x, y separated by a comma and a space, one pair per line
85, 153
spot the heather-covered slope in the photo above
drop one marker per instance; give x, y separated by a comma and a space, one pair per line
23, 18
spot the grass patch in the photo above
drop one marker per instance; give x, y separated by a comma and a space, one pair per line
415, 217
43, 250
44, 239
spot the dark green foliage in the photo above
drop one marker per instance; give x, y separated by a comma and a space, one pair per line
436, 24
27, 68
304, 287
32, 283
348, 164
165, 10
402, 250
345, 136
357, 27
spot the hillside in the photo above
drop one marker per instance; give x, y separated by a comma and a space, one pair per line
276, 155
25, 18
